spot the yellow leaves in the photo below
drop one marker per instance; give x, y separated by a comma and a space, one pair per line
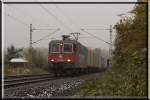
131, 32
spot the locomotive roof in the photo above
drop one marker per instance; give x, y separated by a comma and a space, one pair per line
67, 41
70, 41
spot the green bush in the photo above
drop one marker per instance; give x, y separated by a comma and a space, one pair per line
37, 59
10, 70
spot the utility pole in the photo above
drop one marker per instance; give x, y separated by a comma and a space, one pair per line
30, 49
76, 35
110, 30
31, 30
110, 50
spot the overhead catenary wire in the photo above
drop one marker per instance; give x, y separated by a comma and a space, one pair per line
16, 19
84, 42
22, 12
96, 37
94, 29
25, 14
43, 29
85, 37
54, 16
52, 38
45, 36
68, 18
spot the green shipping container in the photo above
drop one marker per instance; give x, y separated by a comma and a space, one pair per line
98, 53
96, 58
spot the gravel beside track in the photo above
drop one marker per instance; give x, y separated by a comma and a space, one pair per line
59, 88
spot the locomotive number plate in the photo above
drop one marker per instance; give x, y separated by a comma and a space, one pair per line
60, 57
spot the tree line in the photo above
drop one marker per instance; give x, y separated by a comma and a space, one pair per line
35, 58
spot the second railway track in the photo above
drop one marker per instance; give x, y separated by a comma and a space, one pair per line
13, 81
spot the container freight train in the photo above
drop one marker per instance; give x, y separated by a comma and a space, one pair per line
68, 56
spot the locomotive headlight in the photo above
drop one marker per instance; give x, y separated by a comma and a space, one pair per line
52, 59
68, 60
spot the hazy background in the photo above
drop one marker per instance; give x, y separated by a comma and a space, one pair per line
68, 17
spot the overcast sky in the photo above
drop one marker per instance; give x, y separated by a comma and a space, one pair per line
67, 17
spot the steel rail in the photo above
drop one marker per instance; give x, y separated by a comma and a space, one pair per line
25, 80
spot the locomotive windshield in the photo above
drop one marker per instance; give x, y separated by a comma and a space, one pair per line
55, 47
68, 47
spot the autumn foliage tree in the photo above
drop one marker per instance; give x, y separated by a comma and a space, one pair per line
127, 74
131, 32
130, 54
12, 52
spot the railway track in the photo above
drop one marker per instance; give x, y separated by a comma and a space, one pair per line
12, 81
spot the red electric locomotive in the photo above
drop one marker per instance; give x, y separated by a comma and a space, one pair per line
66, 56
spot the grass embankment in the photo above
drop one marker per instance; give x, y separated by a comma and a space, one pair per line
9, 70
125, 79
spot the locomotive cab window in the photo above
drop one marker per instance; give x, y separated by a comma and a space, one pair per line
55, 47
68, 48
